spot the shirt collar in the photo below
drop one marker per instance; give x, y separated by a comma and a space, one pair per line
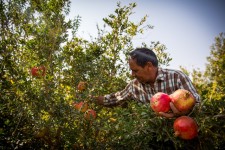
160, 75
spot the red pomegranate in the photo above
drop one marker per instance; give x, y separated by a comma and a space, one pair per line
183, 100
160, 102
38, 71
81, 106
90, 114
185, 127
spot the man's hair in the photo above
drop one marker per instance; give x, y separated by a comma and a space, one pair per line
144, 55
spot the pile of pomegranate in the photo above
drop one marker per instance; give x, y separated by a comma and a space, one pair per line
184, 127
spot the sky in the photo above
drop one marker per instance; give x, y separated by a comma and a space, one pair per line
186, 27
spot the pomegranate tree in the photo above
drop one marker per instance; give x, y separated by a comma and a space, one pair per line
160, 102
185, 127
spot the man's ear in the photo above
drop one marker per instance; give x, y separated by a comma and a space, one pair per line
149, 64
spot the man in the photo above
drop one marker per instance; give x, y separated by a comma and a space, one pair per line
150, 79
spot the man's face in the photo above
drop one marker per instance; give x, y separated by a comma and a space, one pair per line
142, 74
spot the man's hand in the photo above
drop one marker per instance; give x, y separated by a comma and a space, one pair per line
174, 112
97, 99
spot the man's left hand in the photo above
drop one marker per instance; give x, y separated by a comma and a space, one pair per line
174, 112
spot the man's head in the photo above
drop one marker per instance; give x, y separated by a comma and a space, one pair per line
143, 64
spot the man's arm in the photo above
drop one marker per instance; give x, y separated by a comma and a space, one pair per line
114, 99
100, 101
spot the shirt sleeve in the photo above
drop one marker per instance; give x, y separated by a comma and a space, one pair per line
115, 98
187, 84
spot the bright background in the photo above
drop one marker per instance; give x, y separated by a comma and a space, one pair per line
187, 27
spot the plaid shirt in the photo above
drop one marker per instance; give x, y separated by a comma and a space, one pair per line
167, 81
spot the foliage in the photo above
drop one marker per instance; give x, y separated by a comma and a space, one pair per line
210, 85
39, 113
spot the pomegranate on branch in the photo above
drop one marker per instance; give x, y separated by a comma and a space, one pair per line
38, 71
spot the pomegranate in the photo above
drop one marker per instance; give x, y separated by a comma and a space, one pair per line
185, 127
90, 114
81, 86
81, 106
38, 71
160, 102
183, 100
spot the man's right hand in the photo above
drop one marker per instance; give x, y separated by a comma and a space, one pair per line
97, 99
